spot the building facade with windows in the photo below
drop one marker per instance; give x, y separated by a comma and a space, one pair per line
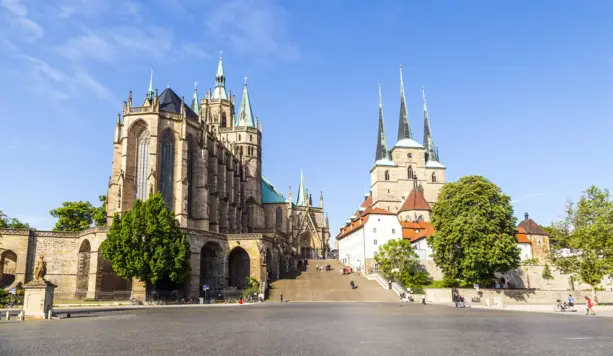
205, 159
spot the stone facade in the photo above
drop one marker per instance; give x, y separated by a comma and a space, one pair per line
206, 161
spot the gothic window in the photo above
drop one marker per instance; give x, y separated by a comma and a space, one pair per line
223, 119
167, 164
142, 164
433, 177
250, 138
279, 216
191, 157
239, 137
387, 175
410, 172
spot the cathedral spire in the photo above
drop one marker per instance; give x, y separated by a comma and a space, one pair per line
195, 101
150, 92
431, 149
404, 130
245, 114
302, 193
382, 151
220, 82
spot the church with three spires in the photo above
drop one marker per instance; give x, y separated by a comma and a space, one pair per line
404, 182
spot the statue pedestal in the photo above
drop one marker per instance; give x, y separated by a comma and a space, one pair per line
38, 299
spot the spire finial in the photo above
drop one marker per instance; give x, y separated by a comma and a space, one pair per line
404, 130
150, 91
380, 99
220, 54
195, 85
246, 80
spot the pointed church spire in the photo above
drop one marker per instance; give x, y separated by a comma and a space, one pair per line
150, 92
245, 114
220, 82
195, 101
302, 193
404, 130
431, 149
382, 151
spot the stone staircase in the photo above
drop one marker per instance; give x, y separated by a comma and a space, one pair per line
331, 286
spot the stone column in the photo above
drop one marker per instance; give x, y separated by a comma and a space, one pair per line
94, 280
193, 281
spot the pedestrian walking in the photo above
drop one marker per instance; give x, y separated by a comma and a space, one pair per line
281, 296
590, 305
423, 299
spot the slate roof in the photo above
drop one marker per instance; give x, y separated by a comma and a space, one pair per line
171, 102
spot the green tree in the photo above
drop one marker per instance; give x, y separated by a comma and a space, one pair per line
79, 215
398, 261
99, 215
584, 239
547, 276
147, 243
12, 223
474, 231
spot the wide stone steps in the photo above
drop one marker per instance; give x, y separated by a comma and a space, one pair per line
331, 286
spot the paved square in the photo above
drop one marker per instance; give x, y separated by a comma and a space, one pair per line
311, 329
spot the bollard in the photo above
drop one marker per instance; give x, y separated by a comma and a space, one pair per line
21, 316
50, 314
8, 315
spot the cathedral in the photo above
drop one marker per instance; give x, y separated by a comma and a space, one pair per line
205, 159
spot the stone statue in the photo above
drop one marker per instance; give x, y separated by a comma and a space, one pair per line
41, 269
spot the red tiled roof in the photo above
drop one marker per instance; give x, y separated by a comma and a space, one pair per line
359, 223
521, 236
414, 231
532, 228
415, 201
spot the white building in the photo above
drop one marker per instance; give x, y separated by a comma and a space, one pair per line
360, 239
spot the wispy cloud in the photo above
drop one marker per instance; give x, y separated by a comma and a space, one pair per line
527, 197
252, 27
16, 17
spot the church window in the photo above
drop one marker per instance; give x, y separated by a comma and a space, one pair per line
410, 155
433, 177
191, 157
387, 175
250, 138
142, 165
279, 217
410, 172
167, 164
223, 119
374, 242
239, 137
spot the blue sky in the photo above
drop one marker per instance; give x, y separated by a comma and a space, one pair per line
519, 91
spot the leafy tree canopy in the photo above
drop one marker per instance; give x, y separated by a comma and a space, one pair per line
547, 273
12, 223
474, 231
584, 239
398, 260
147, 243
79, 215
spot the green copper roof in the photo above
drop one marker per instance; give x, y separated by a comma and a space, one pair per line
150, 92
431, 150
195, 101
245, 114
219, 93
270, 195
302, 199
382, 151
404, 130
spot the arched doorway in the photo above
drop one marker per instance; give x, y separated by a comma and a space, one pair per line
269, 274
211, 266
8, 267
83, 263
306, 248
239, 268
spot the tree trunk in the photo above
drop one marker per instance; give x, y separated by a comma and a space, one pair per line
594, 294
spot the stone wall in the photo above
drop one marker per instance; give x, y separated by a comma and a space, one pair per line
514, 296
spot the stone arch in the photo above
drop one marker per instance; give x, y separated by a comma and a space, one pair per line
83, 266
239, 268
167, 167
269, 266
211, 266
8, 267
